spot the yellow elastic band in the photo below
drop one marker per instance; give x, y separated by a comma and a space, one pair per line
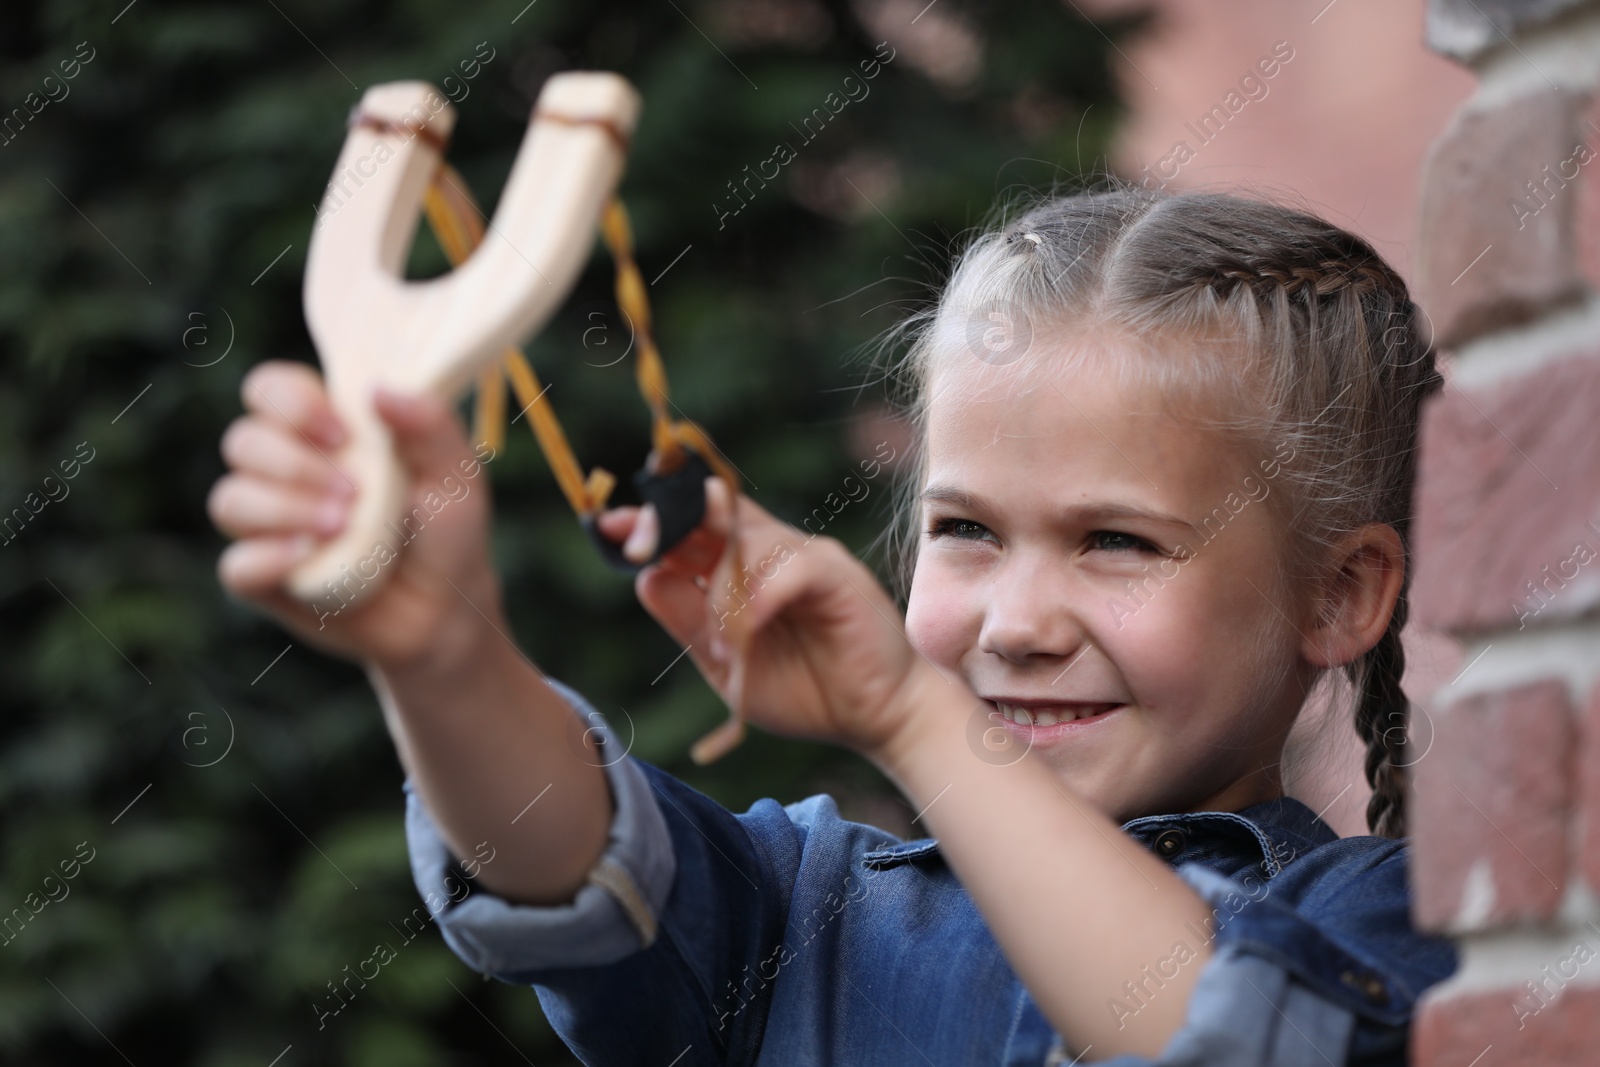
458, 223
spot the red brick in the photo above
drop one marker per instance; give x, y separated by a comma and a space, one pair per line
1508, 1028
1589, 791
1587, 186
1508, 502
1482, 263
1491, 798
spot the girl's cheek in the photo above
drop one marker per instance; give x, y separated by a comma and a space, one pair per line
936, 622
1159, 647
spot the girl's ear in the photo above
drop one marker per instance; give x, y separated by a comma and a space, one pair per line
1365, 572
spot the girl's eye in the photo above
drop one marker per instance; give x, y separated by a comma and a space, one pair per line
1112, 541
962, 529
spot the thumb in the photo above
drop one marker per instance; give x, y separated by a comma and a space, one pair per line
428, 436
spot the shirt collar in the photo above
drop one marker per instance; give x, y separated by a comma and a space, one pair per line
1271, 833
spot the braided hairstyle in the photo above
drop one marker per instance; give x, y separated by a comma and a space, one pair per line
1309, 317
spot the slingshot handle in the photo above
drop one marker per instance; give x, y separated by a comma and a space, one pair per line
373, 327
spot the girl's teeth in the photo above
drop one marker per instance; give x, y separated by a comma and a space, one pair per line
1024, 717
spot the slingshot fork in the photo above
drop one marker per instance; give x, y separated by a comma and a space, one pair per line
371, 326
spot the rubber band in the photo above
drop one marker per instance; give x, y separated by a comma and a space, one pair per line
607, 125
360, 119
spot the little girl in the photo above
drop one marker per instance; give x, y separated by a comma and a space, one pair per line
1163, 470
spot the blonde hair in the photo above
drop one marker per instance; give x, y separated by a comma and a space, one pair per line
1319, 329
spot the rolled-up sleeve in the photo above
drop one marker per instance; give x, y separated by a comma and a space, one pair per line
614, 914
1279, 991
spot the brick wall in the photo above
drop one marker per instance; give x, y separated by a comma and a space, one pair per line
1506, 794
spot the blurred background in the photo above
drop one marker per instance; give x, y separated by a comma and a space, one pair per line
228, 800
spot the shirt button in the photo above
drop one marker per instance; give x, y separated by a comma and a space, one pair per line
1170, 843
1370, 986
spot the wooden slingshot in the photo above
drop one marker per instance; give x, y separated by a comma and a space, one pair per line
371, 326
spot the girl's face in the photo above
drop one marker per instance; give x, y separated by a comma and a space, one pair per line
1113, 568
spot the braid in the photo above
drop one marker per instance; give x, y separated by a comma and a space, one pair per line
1382, 712
1320, 280
1382, 718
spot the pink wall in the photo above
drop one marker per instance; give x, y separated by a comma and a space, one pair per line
1343, 126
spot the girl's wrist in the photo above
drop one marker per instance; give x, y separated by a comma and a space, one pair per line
926, 699
469, 656
463, 643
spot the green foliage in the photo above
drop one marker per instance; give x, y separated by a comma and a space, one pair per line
238, 791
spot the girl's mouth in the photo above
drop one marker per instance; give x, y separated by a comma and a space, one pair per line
1054, 720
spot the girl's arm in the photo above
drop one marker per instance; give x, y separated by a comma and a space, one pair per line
476, 726
1078, 906
501, 761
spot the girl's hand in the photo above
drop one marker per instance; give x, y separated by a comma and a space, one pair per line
287, 492
812, 648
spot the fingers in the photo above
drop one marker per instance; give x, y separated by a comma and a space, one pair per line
616, 523
719, 508
257, 571
638, 528
675, 601
283, 484
258, 568
292, 395
674, 589
641, 543
784, 566
268, 449
692, 591
242, 505
428, 435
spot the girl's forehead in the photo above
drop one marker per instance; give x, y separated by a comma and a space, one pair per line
1062, 427
1078, 430
1200, 382
1040, 390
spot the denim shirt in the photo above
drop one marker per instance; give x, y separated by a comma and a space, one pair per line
790, 936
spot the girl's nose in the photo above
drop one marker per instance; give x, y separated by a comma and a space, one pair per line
1031, 613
